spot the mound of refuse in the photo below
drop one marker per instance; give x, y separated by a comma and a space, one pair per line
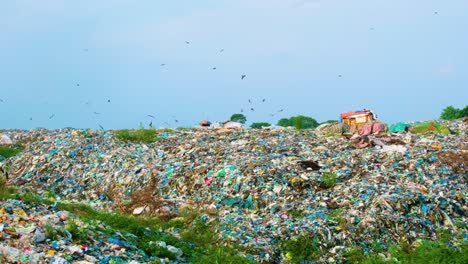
265, 186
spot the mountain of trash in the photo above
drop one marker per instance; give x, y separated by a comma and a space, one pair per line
264, 186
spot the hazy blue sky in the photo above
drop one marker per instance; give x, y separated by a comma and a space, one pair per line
397, 57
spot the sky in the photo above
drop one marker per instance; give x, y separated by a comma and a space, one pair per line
61, 60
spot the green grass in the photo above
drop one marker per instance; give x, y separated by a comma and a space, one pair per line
8, 152
328, 180
137, 136
79, 235
300, 249
52, 232
297, 213
430, 127
426, 252
337, 216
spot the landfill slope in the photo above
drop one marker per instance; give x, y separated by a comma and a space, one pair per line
256, 187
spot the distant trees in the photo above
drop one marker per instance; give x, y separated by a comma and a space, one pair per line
299, 122
451, 113
284, 122
259, 125
239, 118
330, 121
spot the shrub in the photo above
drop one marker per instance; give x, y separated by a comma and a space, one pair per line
260, 125
299, 122
451, 113
284, 122
239, 118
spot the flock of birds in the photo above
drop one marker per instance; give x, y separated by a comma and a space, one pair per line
153, 117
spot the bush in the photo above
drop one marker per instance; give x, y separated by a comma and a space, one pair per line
260, 125
239, 118
451, 113
284, 122
299, 122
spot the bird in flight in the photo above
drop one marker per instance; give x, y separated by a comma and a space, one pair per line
152, 116
52, 116
250, 101
214, 68
435, 13
77, 84
243, 76
251, 109
163, 64
30, 119
108, 100
85, 49
101, 126
340, 76
281, 110
242, 110
221, 50
263, 100
96, 113
151, 124
187, 42
1, 100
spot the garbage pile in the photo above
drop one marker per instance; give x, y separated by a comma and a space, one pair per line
30, 234
266, 186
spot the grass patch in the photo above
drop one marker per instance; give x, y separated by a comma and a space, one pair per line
328, 180
337, 216
153, 249
440, 251
430, 127
301, 249
297, 213
137, 136
8, 152
79, 235
52, 232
